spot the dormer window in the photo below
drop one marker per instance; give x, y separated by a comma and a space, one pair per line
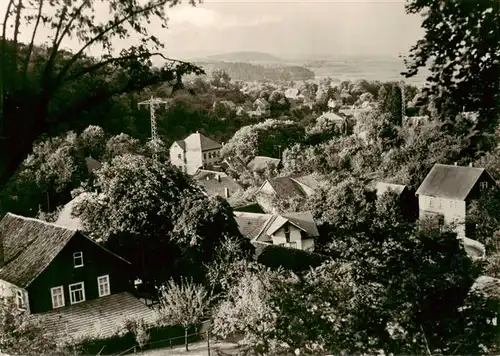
78, 259
483, 185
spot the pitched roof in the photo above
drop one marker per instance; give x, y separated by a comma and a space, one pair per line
98, 318
93, 164
381, 188
330, 116
198, 142
260, 227
250, 224
30, 245
452, 182
181, 144
286, 187
66, 218
260, 163
487, 286
312, 181
213, 186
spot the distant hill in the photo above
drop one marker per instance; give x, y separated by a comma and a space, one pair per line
246, 56
249, 72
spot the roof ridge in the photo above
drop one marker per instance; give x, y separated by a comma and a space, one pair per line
42, 221
265, 226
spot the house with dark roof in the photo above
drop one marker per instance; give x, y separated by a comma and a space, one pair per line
447, 191
260, 163
45, 266
285, 188
194, 152
217, 183
294, 230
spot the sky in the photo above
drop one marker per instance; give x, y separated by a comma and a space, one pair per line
283, 28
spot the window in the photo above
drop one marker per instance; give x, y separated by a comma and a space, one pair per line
292, 244
483, 185
57, 297
287, 232
179, 156
76, 293
205, 156
78, 259
20, 300
103, 285
431, 202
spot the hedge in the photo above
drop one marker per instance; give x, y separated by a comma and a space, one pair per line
289, 258
116, 344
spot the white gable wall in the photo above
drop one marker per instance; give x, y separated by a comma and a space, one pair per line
9, 290
295, 236
177, 156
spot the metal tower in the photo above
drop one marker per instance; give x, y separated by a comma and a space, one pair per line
403, 100
153, 103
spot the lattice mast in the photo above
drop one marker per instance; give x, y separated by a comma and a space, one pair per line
403, 100
153, 103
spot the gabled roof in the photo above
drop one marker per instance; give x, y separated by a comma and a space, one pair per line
29, 246
92, 164
312, 181
489, 287
330, 116
260, 163
214, 182
98, 318
198, 142
66, 218
286, 187
260, 227
452, 182
381, 188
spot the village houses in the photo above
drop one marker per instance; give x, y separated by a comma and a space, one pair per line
76, 286
294, 230
194, 152
217, 183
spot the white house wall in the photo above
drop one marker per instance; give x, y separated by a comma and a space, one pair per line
453, 211
177, 156
295, 236
9, 290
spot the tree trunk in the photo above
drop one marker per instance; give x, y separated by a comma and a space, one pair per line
186, 337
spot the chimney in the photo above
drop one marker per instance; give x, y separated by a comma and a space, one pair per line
226, 192
471, 164
218, 178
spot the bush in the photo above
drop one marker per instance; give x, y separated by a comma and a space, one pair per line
289, 258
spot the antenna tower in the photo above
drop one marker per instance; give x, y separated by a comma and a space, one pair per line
403, 100
153, 103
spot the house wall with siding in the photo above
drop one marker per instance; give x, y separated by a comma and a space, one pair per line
97, 262
194, 161
265, 197
177, 156
215, 156
9, 290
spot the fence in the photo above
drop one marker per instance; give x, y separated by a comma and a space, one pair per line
166, 343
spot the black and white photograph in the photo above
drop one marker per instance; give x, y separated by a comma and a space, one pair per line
249, 177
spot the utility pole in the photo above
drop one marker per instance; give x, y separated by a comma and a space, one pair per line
154, 103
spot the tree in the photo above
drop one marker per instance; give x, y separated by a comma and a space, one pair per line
183, 304
461, 47
21, 335
268, 138
57, 81
132, 207
93, 141
122, 144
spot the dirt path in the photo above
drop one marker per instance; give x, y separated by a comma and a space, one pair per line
195, 349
